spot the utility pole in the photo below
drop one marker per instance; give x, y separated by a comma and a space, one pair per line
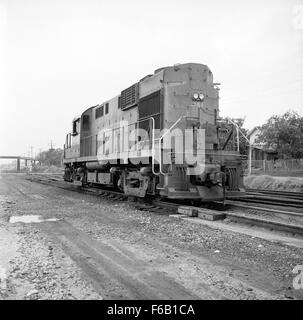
51, 145
239, 131
40, 156
31, 147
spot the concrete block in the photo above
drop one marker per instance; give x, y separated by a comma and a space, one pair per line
210, 215
189, 211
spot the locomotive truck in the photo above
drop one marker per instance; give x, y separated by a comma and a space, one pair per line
122, 142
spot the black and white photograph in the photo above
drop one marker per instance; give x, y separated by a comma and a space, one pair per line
151, 152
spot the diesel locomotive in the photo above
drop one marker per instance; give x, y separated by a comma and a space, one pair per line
122, 142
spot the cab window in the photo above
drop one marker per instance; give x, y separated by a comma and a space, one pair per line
85, 122
76, 127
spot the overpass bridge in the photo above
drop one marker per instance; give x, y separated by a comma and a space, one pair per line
19, 158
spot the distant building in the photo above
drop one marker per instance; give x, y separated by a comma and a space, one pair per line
259, 151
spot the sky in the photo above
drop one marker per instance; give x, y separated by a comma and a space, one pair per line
59, 57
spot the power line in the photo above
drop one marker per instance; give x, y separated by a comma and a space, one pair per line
260, 96
270, 89
277, 87
269, 73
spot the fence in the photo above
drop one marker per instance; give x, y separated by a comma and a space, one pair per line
289, 166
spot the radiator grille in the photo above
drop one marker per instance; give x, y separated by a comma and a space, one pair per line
129, 96
150, 106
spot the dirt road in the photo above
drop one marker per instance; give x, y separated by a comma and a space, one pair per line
100, 249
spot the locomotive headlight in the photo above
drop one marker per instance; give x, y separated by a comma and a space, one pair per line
196, 96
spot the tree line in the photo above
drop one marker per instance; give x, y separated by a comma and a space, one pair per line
51, 157
280, 133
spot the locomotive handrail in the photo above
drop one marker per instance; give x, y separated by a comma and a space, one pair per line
153, 139
161, 138
238, 142
118, 128
153, 147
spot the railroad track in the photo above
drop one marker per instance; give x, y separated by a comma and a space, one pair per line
273, 198
272, 201
167, 207
284, 194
